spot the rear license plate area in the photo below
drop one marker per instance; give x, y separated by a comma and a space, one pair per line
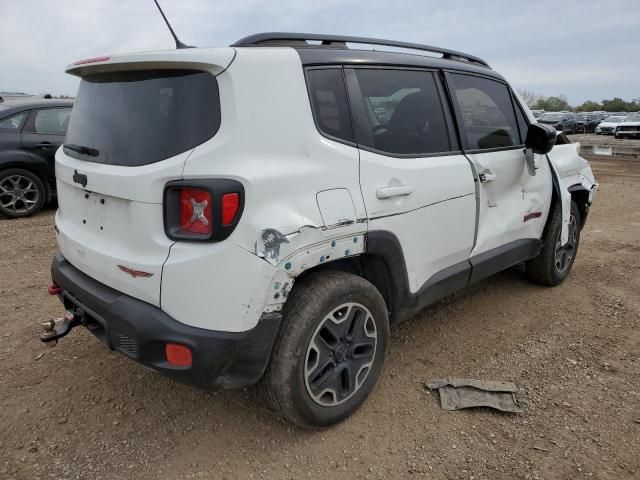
94, 209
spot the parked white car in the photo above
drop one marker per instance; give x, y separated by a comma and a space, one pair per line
265, 212
609, 124
630, 128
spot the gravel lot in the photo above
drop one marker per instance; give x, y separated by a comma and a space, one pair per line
80, 411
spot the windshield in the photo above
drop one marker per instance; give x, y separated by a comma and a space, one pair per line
632, 118
140, 117
614, 119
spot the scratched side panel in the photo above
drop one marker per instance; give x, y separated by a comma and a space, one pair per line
269, 142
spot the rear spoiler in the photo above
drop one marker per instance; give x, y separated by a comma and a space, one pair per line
214, 60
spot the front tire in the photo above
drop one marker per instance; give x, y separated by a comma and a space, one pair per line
330, 349
22, 193
552, 266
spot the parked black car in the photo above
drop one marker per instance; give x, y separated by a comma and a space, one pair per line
563, 122
30, 133
586, 123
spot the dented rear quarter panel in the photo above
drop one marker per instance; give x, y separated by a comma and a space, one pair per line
296, 182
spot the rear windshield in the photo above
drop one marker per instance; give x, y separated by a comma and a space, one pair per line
139, 117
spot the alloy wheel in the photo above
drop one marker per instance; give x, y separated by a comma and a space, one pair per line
340, 354
18, 194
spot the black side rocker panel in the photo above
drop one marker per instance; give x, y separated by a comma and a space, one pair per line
488, 263
451, 279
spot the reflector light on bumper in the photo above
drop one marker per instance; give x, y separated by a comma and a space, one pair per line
178, 355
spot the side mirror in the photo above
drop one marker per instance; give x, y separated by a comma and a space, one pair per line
540, 138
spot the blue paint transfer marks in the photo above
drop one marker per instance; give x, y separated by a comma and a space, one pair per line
347, 252
287, 266
322, 259
333, 243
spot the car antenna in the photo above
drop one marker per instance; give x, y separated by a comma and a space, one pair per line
179, 44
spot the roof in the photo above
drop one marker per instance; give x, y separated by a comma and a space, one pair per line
16, 105
318, 56
36, 103
333, 49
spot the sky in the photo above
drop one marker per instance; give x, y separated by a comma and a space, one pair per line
586, 50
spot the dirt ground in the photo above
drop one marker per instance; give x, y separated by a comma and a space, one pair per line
80, 411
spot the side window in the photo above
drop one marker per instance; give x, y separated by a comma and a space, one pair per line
329, 102
12, 123
52, 121
403, 110
488, 119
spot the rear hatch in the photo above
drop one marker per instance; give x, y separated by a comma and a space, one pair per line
135, 121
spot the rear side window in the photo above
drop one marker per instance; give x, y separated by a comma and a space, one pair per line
140, 117
403, 112
329, 102
53, 121
488, 119
12, 123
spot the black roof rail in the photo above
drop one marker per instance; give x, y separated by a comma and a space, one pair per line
340, 41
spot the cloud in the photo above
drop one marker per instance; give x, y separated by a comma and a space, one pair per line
550, 47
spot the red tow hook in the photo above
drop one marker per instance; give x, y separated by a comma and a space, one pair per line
54, 289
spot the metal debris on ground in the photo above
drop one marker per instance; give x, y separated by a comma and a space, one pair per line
459, 393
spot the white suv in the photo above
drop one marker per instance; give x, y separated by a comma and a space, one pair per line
264, 212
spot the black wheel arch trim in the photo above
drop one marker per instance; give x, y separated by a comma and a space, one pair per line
580, 195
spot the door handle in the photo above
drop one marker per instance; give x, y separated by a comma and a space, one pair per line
388, 192
487, 176
44, 145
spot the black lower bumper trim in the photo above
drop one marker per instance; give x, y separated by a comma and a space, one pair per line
140, 331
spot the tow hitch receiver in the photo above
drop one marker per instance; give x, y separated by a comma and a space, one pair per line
55, 329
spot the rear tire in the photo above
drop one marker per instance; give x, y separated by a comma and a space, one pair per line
554, 262
22, 193
330, 349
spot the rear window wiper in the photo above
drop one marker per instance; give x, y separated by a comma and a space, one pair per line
92, 152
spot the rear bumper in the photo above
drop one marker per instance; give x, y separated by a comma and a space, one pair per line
140, 331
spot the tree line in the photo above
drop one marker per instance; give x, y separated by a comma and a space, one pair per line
560, 103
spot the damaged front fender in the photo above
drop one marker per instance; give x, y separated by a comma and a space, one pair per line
568, 169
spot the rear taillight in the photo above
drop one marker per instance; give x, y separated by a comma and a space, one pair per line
230, 205
195, 211
202, 210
